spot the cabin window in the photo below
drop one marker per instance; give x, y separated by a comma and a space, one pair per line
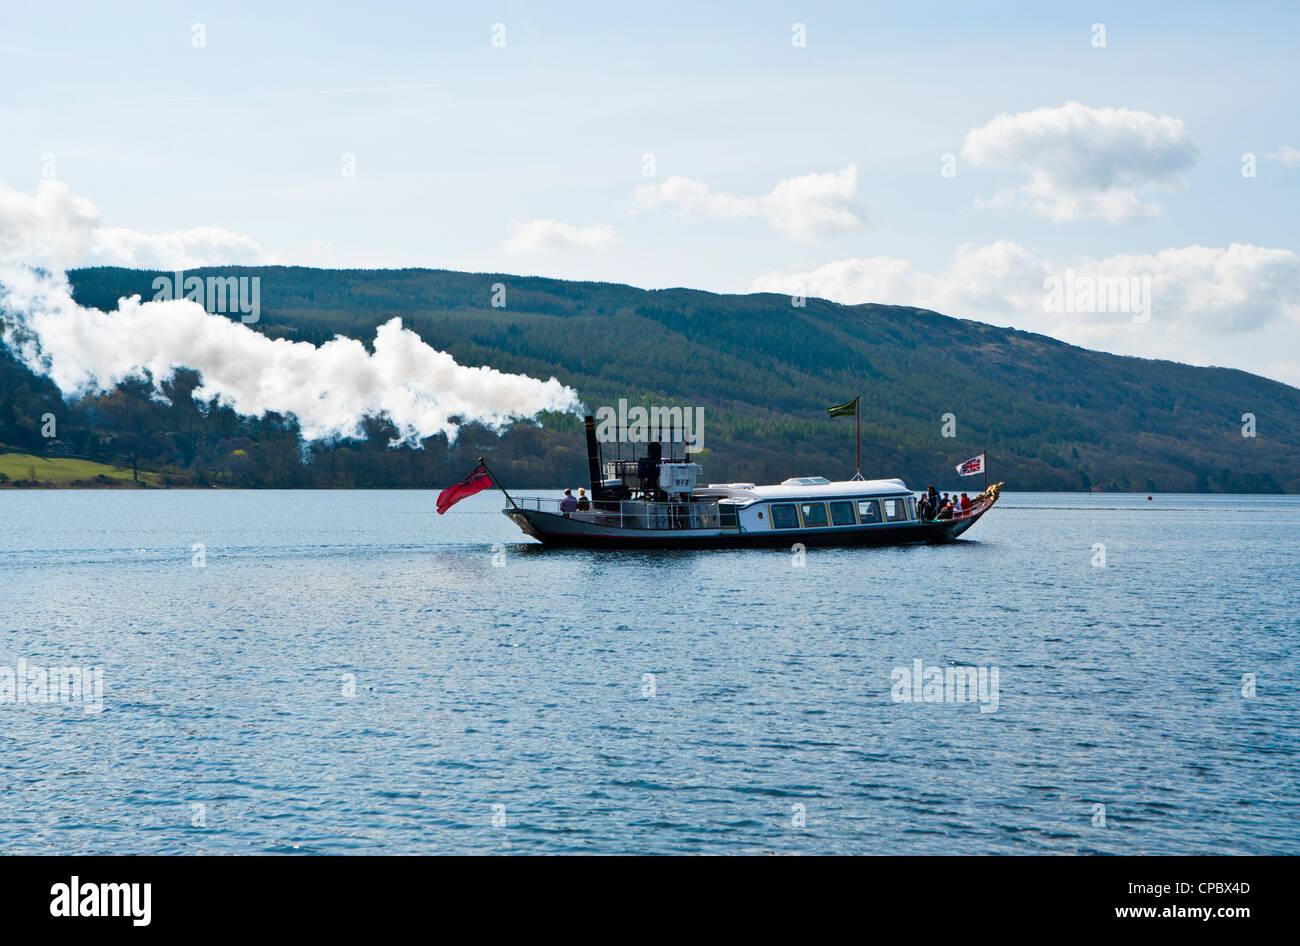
895, 510
869, 511
727, 515
784, 516
814, 515
842, 513
911, 507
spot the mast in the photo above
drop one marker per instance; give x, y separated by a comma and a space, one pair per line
496, 482
857, 415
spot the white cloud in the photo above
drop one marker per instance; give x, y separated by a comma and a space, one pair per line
50, 228
806, 207
181, 249
55, 228
1287, 155
1082, 162
981, 280
1236, 305
1221, 291
550, 236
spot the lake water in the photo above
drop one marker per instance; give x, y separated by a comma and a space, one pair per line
350, 672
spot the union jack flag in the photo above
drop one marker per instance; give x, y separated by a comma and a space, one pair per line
972, 466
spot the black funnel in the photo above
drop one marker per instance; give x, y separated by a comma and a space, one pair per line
593, 459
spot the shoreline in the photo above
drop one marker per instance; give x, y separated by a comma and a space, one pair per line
516, 490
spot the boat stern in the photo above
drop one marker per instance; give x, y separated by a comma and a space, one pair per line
520, 518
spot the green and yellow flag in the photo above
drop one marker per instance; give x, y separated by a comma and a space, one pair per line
845, 410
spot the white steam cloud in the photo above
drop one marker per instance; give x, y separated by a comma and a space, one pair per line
330, 389
1083, 163
806, 207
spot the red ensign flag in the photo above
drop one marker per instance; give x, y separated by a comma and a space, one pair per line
476, 481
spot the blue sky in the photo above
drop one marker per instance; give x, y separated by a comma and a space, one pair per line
529, 158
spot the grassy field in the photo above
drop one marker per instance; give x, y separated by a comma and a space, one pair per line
62, 471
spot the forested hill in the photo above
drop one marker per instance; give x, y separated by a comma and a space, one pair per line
1052, 416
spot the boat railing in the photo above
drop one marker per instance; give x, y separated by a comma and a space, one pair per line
641, 515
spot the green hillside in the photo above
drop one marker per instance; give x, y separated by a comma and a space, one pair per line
1052, 416
24, 469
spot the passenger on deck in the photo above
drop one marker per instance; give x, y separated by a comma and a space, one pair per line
584, 504
923, 510
965, 504
934, 500
568, 504
945, 512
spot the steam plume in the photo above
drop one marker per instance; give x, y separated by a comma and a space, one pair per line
330, 389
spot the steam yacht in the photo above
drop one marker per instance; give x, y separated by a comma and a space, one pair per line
653, 501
